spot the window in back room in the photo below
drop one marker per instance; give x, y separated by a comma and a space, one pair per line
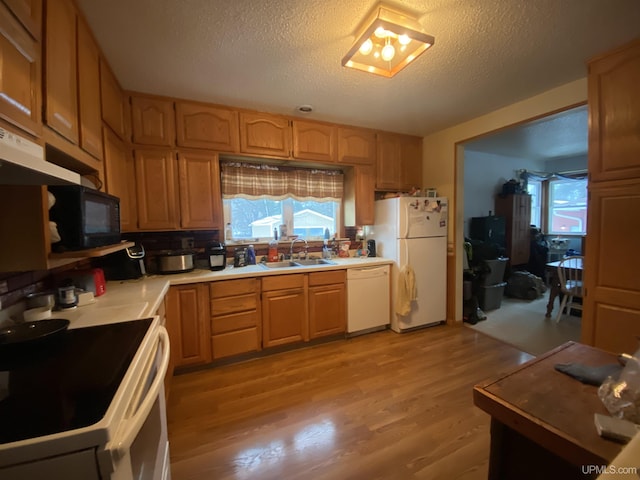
567, 213
258, 198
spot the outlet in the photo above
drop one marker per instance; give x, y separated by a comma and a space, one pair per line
187, 242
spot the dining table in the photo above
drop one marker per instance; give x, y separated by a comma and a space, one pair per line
554, 283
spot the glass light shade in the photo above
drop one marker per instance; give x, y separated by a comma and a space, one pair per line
388, 52
396, 39
366, 47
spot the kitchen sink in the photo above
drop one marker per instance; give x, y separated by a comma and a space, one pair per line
297, 263
283, 264
314, 261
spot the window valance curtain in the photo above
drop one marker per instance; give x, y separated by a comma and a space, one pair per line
247, 180
527, 175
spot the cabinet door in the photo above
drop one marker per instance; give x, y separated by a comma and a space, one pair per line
19, 75
327, 310
284, 317
120, 179
203, 126
314, 141
61, 85
188, 320
152, 121
365, 194
264, 134
115, 110
200, 197
29, 14
356, 146
614, 115
156, 189
388, 174
89, 92
411, 162
611, 315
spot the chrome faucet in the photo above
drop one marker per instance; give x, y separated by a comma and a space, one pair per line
302, 255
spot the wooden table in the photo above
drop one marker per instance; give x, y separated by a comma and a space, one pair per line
554, 284
542, 420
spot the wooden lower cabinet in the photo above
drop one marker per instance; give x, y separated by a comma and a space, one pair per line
235, 317
327, 303
284, 310
188, 322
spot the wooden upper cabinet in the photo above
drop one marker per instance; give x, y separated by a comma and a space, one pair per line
205, 126
153, 121
200, 197
614, 115
120, 178
388, 172
356, 146
29, 14
411, 162
399, 161
115, 105
60, 79
20, 75
265, 134
314, 141
364, 194
156, 189
89, 92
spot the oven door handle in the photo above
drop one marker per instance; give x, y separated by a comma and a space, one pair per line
134, 424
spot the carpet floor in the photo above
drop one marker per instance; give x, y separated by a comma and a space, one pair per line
522, 324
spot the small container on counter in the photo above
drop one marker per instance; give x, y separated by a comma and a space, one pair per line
67, 297
239, 257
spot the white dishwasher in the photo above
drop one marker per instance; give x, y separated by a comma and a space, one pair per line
368, 299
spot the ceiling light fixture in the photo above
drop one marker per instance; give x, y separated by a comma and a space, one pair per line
388, 41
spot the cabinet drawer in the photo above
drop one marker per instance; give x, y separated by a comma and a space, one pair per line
228, 288
238, 303
326, 278
281, 282
237, 321
234, 343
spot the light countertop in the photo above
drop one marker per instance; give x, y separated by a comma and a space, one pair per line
141, 298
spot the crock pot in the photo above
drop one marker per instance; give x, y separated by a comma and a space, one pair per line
175, 261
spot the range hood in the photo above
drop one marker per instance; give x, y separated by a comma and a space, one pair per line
22, 163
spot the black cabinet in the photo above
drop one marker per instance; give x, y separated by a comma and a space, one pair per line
489, 229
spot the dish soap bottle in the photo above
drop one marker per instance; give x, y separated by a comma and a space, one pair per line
250, 256
272, 255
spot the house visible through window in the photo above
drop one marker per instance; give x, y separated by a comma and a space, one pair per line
260, 198
567, 206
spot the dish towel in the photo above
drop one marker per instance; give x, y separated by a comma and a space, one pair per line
406, 290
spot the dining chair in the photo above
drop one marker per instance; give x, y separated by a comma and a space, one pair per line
570, 277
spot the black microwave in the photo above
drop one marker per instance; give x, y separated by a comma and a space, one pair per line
85, 218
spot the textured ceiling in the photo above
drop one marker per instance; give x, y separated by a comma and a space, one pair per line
275, 55
560, 135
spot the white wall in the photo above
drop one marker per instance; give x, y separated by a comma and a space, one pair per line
443, 161
484, 175
566, 164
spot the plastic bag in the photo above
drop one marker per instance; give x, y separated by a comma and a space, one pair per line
621, 397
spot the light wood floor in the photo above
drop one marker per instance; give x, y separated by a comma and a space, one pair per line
378, 406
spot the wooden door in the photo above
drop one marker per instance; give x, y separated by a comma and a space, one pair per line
283, 317
20, 73
153, 121
365, 176
614, 115
120, 178
156, 189
611, 314
115, 110
29, 14
411, 162
61, 71
327, 303
388, 174
356, 146
188, 320
204, 126
265, 134
89, 92
314, 141
200, 197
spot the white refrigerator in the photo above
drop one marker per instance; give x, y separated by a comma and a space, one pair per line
413, 231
